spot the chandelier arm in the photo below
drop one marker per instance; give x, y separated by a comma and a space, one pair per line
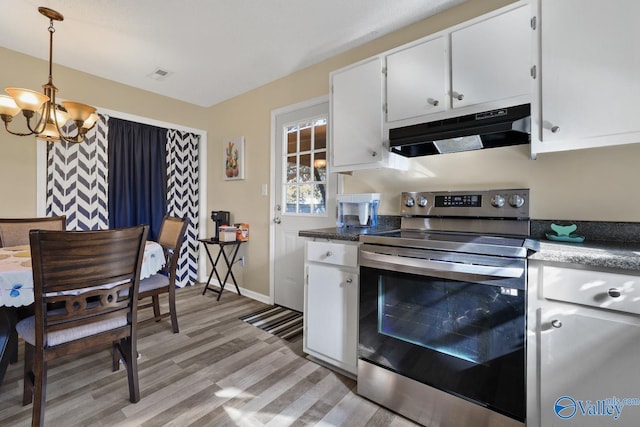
78, 137
74, 140
39, 127
6, 127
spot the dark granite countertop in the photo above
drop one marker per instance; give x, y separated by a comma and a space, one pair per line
343, 233
621, 252
607, 244
596, 254
384, 223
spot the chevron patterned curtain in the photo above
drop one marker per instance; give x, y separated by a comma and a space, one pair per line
183, 197
77, 179
77, 186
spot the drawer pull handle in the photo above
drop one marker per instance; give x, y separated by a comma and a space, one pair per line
556, 323
329, 253
614, 293
349, 280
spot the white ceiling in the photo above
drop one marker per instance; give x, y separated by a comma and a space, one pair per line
213, 49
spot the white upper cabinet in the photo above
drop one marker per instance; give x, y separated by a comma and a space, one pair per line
491, 60
485, 63
417, 80
356, 117
589, 74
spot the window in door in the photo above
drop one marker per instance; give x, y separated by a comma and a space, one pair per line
305, 177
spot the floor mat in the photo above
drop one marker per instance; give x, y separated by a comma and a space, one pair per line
279, 321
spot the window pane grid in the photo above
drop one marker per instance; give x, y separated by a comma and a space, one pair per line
306, 167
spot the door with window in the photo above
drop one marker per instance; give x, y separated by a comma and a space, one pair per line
304, 193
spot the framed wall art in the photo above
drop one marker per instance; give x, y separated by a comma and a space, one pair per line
234, 159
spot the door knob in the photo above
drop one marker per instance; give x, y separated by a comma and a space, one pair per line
277, 220
614, 293
556, 323
433, 102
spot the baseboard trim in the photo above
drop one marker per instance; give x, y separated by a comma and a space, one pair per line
229, 287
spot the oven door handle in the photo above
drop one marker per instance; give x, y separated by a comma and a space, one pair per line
416, 265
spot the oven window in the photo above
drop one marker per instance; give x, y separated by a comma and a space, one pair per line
475, 323
459, 336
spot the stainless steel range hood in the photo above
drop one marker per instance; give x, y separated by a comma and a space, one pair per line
489, 129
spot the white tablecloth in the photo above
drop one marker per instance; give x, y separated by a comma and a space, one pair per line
16, 276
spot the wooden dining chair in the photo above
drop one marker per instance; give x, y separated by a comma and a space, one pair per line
15, 231
171, 238
82, 274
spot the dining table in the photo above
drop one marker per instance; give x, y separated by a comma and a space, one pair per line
16, 291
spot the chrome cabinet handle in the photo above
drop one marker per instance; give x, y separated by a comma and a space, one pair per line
349, 280
614, 293
556, 323
329, 253
555, 129
277, 220
433, 102
374, 153
458, 96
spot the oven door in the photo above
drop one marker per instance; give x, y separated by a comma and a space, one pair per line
453, 321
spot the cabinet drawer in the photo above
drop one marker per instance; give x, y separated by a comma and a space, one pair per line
605, 290
333, 253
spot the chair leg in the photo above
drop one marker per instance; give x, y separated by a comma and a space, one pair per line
172, 312
115, 356
39, 390
130, 357
28, 382
156, 307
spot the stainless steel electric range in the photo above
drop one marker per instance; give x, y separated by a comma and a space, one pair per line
443, 306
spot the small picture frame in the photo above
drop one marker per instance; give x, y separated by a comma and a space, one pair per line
233, 159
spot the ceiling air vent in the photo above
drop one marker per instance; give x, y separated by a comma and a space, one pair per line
159, 74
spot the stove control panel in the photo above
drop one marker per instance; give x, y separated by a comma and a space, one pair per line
512, 203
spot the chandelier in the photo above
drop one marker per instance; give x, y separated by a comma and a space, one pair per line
44, 117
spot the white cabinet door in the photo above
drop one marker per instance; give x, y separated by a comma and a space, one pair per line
482, 65
491, 60
590, 68
356, 116
331, 315
586, 356
417, 80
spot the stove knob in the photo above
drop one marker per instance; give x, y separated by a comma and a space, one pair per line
410, 202
497, 201
422, 202
516, 201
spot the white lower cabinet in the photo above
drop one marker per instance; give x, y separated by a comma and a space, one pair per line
331, 303
586, 358
583, 348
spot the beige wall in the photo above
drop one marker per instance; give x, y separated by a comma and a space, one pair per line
571, 185
596, 184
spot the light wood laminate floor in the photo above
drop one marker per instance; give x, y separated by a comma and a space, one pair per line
218, 371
